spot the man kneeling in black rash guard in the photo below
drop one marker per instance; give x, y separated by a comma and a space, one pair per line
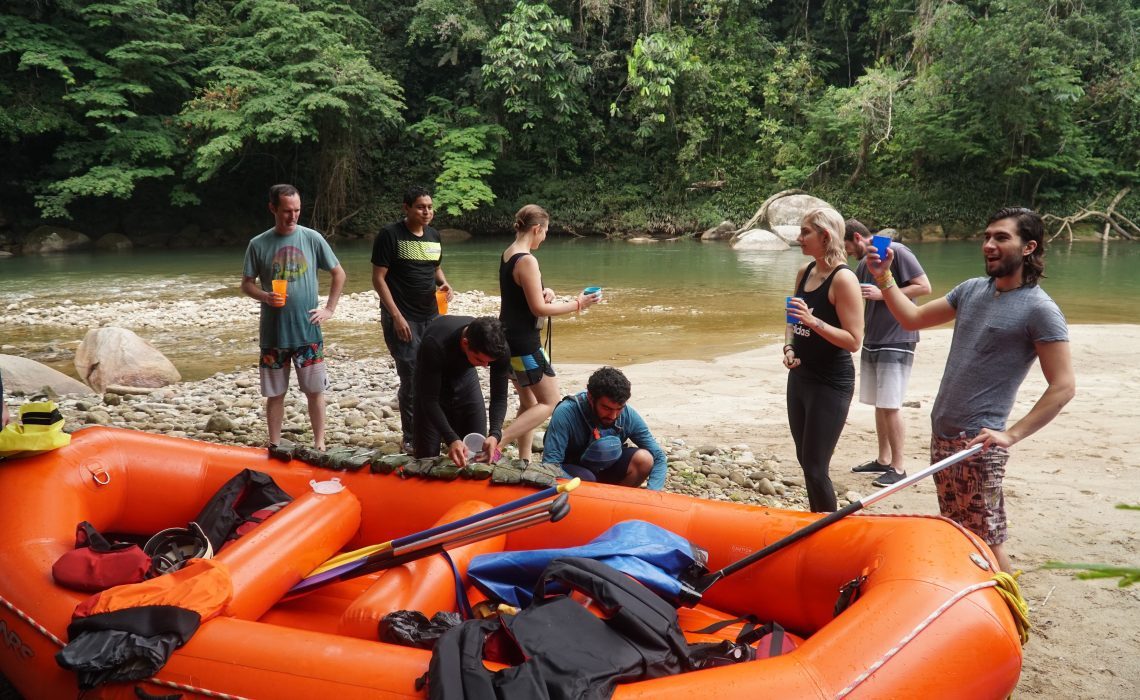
448, 398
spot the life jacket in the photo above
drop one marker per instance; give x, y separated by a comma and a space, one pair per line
755, 641
605, 445
638, 638
39, 429
249, 496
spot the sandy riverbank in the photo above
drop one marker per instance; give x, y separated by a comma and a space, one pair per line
1061, 487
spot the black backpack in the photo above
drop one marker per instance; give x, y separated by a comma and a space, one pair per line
559, 649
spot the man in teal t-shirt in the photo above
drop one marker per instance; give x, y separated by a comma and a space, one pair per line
291, 321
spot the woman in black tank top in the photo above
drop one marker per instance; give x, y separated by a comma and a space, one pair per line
828, 309
525, 303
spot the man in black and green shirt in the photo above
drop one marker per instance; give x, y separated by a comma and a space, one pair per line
406, 272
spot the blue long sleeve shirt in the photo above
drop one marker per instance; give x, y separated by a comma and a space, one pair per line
571, 431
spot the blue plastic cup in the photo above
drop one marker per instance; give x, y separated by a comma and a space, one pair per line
882, 244
787, 307
592, 291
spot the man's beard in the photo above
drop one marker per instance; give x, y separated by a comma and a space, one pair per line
1004, 266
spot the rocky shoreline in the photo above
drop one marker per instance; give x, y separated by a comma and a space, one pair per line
227, 408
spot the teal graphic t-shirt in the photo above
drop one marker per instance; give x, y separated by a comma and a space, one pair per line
295, 257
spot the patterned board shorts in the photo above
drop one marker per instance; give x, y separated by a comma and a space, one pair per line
969, 492
309, 360
530, 369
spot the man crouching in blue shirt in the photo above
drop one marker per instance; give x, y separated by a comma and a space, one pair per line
588, 433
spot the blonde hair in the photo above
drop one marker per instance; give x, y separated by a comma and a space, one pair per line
529, 216
828, 222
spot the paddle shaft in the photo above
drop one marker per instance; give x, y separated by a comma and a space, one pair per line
478, 527
708, 580
357, 555
389, 557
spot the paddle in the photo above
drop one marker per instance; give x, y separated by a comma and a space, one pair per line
358, 554
705, 582
410, 551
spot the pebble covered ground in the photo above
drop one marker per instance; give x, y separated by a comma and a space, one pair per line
228, 408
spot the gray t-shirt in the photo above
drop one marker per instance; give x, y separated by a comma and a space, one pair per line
879, 326
991, 353
294, 257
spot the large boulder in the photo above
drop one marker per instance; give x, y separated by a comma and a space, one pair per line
790, 234
54, 239
721, 232
27, 377
109, 356
789, 210
113, 241
759, 239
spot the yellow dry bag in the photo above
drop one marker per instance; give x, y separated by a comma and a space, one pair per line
39, 429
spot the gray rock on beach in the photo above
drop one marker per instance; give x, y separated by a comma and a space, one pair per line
110, 356
28, 377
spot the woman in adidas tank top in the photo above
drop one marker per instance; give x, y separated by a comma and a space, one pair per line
525, 305
828, 309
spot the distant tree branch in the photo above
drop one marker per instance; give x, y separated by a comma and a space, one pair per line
1112, 219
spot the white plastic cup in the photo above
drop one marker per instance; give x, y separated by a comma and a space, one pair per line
474, 444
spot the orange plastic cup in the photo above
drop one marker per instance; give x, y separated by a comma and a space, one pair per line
281, 288
441, 300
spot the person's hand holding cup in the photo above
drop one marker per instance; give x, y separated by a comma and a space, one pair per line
792, 307
280, 293
589, 297
879, 255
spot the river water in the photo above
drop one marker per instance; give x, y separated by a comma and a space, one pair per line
668, 300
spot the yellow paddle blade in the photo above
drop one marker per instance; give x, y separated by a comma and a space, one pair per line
569, 485
350, 557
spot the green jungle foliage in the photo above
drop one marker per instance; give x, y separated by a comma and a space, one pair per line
617, 115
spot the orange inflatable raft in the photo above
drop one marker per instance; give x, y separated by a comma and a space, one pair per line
929, 622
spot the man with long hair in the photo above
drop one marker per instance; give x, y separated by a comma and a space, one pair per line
1002, 323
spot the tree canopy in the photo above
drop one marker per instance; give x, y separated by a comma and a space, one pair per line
605, 111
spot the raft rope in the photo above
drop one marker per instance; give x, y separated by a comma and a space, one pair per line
35, 625
156, 681
192, 689
1007, 588
914, 633
1010, 592
1005, 584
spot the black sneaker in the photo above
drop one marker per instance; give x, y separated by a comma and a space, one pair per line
872, 466
891, 477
